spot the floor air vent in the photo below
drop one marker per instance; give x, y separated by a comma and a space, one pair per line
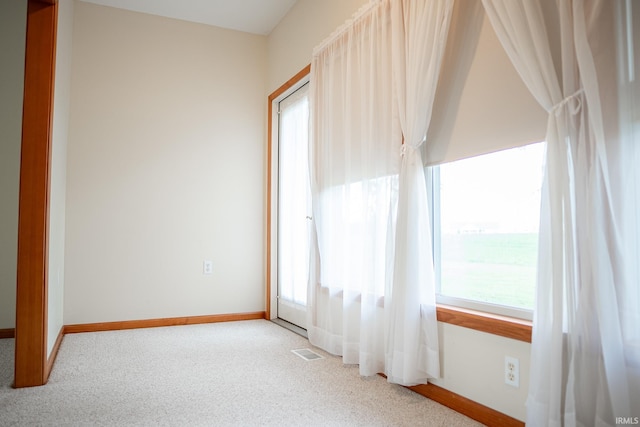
307, 354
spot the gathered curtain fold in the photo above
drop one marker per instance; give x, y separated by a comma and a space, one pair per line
584, 361
419, 34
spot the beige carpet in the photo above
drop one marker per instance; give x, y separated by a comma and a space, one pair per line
225, 374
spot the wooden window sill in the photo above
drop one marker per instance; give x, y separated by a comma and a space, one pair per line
495, 324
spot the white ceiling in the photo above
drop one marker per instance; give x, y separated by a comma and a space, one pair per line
251, 16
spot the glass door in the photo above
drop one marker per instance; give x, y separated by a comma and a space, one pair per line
294, 206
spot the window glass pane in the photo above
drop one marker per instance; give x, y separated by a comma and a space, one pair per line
294, 196
489, 219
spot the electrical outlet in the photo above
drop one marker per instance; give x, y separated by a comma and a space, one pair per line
207, 267
512, 371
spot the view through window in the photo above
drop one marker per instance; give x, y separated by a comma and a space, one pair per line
486, 217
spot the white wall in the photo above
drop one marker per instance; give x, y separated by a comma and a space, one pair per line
165, 168
472, 362
13, 24
62, 94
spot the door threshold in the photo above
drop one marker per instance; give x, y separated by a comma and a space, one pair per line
290, 326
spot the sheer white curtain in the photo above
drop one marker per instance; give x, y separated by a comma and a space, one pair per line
419, 32
354, 163
585, 358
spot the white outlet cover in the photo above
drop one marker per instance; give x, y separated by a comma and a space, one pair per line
207, 267
512, 371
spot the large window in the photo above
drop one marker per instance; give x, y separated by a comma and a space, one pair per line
486, 219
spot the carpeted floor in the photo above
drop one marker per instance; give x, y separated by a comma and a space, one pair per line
224, 374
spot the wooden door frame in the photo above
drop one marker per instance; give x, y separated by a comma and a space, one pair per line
31, 368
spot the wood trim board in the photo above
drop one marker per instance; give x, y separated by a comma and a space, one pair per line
54, 353
33, 216
7, 333
290, 83
155, 323
508, 327
468, 407
464, 406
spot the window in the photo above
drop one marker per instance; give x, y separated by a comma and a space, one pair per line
355, 233
485, 227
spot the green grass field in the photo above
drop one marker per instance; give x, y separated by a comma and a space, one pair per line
495, 268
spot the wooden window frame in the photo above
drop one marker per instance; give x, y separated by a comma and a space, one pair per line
494, 324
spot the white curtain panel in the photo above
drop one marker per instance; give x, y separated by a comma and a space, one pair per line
372, 287
419, 33
574, 57
354, 164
